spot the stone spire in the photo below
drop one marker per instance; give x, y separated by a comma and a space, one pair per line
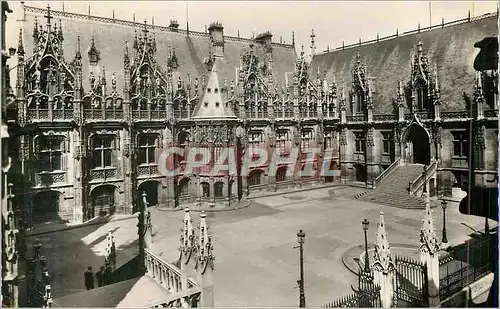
110, 250
428, 240
187, 236
205, 247
212, 106
205, 265
383, 266
383, 257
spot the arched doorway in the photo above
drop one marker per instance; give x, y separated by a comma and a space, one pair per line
219, 189
151, 190
45, 207
255, 178
184, 187
281, 174
332, 168
359, 172
416, 145
103, 201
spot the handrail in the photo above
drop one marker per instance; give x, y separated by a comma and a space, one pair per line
416, 184
186, 295
386, 172
176, 272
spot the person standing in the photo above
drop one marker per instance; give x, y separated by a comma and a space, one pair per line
100, 277
89, 278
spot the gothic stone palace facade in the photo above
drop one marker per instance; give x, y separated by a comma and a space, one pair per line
98, 100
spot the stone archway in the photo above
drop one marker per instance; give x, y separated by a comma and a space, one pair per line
151, 188
360, 174
102, 201
416, 145
45, 207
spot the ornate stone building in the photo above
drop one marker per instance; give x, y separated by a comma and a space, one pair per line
92, 120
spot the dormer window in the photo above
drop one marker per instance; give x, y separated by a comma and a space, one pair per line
421, 96
206, 104
209, 90
359, 101
216, 90
217, 104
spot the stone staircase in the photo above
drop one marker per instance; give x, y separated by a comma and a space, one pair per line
393, 189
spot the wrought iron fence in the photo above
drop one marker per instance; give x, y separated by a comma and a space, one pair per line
411, 282
367, 295
464, 265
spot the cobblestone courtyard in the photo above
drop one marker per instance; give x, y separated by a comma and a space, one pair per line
255, 262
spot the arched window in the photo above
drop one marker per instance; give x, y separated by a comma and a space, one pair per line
360, 101
281, 174
205, 189
421, 95
219, 189
254, 178
184, 187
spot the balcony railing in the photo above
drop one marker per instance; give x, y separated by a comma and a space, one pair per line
49, 178
147, 170
357, 118
103, 173
103, 114
385, 117
455, 115
491, 113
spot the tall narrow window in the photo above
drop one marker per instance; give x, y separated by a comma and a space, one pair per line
359, 141
359, 102
460, 144
460, 149
386, 146
329, 140
421, 97
50, 153
307, 139
103, 150
147, 148
219, 189
281, 139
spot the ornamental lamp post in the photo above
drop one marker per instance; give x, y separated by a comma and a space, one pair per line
365, 224
444, 239
302, 298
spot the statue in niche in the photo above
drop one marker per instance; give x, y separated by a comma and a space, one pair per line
37, 77
63, 81
113, 81
158, 85
92, 81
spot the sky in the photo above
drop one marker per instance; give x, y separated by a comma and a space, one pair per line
334, 22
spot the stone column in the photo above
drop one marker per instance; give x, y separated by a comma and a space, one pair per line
370, 157
206, 265
383, 266
429, 254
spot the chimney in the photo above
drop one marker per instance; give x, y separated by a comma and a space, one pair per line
216, 32
265, 39
174, 25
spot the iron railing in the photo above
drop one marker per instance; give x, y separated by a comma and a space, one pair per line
464, 265
386, 172
420, 181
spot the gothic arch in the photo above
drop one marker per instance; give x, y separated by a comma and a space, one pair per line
416, 144
152, 189
102, 200
255, 177
46, 205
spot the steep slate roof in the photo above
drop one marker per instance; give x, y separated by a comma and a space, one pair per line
212, 106
451, 48
110, 36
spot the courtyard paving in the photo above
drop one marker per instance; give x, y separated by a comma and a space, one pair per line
256, 264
